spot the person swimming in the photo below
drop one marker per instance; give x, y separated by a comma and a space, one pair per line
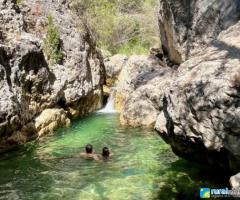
89, 153
105, 152
89, 149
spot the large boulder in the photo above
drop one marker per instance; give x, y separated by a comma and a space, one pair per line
138, 70
197, 105
186, 26
200, 117
29, 83
50, 119
143, 104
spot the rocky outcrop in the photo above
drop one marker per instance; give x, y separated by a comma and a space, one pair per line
200, 117
137, 71
197, 105
143, 104
50, 119
29, 84
235, 181
113, 66
186, 26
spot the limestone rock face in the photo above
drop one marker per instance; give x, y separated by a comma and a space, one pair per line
187, 26
200, 117
143, 103
28, 83
113, 66
197, 105
137, 71
50, 119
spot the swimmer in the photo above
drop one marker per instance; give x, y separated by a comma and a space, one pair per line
89, 153
106, 153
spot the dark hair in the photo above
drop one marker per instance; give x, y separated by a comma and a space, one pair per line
89, 148
105, 152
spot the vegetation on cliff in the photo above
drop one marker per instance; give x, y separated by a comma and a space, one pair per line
52, 43
126, 26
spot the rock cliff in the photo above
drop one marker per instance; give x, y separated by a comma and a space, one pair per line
196, 107
186, 26
29, 84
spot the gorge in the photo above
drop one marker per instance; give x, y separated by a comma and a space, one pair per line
52, 73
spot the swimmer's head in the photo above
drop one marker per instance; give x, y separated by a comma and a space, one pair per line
105, 152
89, 148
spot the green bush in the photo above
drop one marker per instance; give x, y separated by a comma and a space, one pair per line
52, 43
121, 26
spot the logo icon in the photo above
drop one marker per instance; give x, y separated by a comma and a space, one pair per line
205, 193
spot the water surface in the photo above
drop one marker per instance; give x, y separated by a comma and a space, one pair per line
143, 167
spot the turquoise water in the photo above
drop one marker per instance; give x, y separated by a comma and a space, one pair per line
142, 167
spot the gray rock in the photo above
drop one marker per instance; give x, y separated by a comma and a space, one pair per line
235, 181
137, 71
114, 65
29, 84
186, 26
197, 105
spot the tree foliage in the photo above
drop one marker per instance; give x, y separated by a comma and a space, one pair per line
121, 26
52, 43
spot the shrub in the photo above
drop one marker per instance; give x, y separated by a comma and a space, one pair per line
121, 26
52, 43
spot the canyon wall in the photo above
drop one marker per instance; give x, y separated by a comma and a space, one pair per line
197, 104
37, 96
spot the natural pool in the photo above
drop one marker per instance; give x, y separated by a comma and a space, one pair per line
143, 167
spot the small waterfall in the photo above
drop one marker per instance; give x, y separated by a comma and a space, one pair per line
109, 108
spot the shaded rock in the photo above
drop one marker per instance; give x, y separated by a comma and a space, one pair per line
187, 26
201, 113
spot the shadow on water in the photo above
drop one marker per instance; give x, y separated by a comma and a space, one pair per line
183, 180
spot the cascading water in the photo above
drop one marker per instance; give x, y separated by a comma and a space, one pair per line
109, 108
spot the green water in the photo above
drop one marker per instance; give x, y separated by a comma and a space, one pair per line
142, 167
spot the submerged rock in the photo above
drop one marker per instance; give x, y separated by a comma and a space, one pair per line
29, 83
